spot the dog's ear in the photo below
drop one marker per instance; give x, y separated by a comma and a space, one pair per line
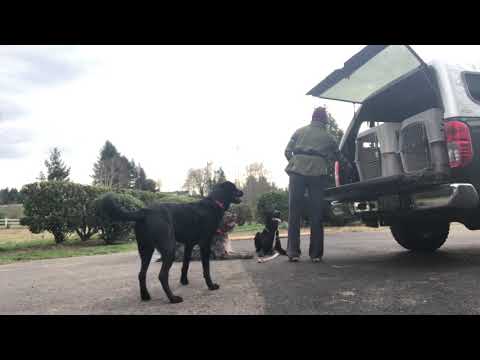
222, 185
222, 190
227, 186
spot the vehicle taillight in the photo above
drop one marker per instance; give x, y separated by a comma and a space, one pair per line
459, 143
337, 173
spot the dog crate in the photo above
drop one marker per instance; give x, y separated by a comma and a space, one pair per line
422, 142
415, 151
377, 152
367, 159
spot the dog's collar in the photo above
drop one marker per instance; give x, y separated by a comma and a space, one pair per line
219, 204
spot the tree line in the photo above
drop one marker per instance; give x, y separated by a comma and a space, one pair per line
200, 181
10, 196
260, 194
112, 170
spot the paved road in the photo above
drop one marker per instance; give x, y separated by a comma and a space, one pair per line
362, 273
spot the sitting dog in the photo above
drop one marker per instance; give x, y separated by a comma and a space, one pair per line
264, 240
160, 226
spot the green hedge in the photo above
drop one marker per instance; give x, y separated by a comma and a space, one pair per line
63, 208
242, 212
49, 206
113, 231
268, 202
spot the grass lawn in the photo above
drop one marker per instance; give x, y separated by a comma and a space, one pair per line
21, 245
247, 228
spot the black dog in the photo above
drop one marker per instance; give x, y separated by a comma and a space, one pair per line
161, 225
264, 240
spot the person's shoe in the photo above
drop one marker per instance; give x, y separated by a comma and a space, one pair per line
293, 258
316, 259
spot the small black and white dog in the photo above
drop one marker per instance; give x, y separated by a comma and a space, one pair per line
264, 240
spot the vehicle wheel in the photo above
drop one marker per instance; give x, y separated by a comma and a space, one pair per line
425, 237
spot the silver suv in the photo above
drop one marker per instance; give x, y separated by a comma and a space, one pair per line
414, 144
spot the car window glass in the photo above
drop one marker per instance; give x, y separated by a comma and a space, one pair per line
473, 84
366, 125
387, 66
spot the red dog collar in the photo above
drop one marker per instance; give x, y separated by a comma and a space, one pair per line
220, 205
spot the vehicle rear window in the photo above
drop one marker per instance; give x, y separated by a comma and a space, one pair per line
473, 85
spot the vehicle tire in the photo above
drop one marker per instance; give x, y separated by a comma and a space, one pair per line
421, 237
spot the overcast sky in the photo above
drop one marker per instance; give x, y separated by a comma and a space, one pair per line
170, 108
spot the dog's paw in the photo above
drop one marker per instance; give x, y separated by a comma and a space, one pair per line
214, 287
184, 281
146, 297
176, 299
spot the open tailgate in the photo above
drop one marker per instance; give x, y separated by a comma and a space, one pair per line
374, 188
367, 72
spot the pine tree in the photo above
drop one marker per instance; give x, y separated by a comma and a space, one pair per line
108, 151
123, 173
150, 185
4, 196
333, 129
56, 169
133, 174
337, 133
41, 177
141, 180
106, 169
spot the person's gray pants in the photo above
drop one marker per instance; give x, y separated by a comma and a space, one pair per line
296, 206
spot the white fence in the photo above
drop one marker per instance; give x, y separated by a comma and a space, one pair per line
8, 223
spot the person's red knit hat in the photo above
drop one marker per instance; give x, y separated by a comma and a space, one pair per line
320, 115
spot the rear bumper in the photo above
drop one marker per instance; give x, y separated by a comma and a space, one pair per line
445, 196
457, 196
389, 185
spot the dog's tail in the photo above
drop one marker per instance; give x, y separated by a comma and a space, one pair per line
108, 205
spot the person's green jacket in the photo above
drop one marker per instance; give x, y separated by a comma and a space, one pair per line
309, 151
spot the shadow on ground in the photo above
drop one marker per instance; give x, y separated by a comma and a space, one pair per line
375, 276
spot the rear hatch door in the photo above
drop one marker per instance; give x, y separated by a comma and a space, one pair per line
368, 71
365, 75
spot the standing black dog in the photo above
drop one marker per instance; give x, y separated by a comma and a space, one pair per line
264, 240
161, 225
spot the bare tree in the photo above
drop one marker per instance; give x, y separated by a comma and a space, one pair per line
257, 170
106, 171
256, 184
195, 182
112, 169
200, 181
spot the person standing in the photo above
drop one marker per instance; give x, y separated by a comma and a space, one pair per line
308, 154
